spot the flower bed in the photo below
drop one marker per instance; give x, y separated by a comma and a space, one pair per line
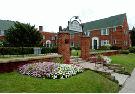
107, 59
50, 70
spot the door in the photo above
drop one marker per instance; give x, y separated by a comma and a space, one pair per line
95, 44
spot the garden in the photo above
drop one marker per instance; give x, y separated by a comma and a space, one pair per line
54, 76
85, 80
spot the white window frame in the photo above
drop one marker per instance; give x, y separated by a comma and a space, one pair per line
104, 42
88, 33
106, 31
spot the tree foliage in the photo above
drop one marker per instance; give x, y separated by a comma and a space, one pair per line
133, 36
23, 35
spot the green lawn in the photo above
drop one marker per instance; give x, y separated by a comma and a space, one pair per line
128, 61
85, 82
75, 52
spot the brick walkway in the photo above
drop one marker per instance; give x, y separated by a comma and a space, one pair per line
129, 86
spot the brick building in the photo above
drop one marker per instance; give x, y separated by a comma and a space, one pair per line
112, 31
49, 38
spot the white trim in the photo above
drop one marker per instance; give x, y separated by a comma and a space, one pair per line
95, 38
106, 31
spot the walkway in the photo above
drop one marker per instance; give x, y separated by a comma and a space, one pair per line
129, 86
120, 77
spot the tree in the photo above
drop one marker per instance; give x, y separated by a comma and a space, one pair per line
23, 35
132, 36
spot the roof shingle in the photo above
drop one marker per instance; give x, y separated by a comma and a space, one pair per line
104, 23
6, 24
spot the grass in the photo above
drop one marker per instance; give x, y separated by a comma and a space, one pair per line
82, 83
127, 61
76, 52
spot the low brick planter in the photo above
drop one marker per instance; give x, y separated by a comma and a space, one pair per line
9, 66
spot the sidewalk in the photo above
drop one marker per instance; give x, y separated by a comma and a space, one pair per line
129, 86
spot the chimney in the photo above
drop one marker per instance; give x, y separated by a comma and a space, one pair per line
40, 28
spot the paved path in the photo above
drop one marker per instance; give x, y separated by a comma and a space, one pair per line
129, 86
120, 77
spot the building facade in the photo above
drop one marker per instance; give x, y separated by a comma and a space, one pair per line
49, 38
112, 31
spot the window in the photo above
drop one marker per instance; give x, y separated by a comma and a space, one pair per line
114, 29
85, 33
114, 41
105, 31
78, 44
71, 36
43, 37
5, 31
53, 38
88, 33
48, 43
104, 42
125, 32
1, 32
72, 44
125, 43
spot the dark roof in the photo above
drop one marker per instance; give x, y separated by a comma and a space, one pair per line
6, 24
104, 23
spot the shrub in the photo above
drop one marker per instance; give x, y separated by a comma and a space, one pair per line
115, 48
124, 52
16, 50
105, 47
132, 49
49, 50
50, 70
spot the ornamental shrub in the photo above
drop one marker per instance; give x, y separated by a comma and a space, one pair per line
132, 49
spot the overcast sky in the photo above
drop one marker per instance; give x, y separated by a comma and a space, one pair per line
53, 13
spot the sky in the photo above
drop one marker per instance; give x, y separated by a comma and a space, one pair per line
54, 13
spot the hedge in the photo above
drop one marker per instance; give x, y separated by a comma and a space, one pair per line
24, 50
16, 50
49, 50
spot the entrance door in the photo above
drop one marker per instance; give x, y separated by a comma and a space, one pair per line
95, 44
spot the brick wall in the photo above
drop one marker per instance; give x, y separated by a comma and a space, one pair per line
64, 46
85, 45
